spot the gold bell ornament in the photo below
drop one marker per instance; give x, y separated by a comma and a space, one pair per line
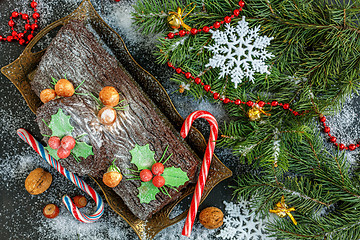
175, 19
255, 112
282, 210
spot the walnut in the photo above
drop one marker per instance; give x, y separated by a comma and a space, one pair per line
38, 181
211, 217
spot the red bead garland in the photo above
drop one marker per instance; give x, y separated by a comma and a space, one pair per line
20, 36
206, 29
333, 139
226, 100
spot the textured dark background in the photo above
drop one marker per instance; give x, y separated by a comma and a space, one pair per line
20, 213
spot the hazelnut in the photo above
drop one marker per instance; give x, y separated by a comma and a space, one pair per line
47, 95
107, 115
64, 88
109, 96
112, 179
80, 201
51, 211
211, 217
38, 181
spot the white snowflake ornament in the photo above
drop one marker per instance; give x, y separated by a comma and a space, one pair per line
239, 52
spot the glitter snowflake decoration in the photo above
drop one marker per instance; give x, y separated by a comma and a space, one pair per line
241, 224
239, 52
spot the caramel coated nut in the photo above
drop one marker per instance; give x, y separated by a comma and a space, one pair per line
38, 181
211, 217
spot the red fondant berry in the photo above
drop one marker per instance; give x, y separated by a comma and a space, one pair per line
27, 26
21, 35
171, 35
333, 139
22, 41
178, 70
194, 31
323, 119
227, 19
241, 4
188, 75
14, 34
146, 175
68, 142
206, 29
238, 102
286, 106
197, 80
207, 88
249, 103
63, 153
157, 169
54, 142
30, 37
33, 4
216, 95
169, 64
352, 147
158, 181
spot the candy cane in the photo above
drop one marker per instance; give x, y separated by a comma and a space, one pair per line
205, 165
39, 148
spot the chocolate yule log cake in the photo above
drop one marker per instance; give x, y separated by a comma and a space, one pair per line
130, 142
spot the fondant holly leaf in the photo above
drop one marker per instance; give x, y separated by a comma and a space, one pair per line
142, 157
147, 192
52, 152
82, 149
60, 124
175, 177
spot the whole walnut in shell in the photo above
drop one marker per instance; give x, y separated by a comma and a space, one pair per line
211, 217
38, 181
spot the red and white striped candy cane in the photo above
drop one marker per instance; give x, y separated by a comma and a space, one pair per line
39, 148
205, 165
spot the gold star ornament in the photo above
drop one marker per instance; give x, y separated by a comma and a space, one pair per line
281, 209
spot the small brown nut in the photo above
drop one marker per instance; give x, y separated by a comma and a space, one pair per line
64, 88
80, 201
51, 211
109, 96
107, 115
112, 179
211, 217
47, 95
38, 181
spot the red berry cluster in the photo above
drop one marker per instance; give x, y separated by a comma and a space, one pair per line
226, 100
333, 139
157, 169
28, 27
63, 146
206, 29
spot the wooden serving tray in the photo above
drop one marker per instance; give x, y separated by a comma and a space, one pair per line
20, 73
